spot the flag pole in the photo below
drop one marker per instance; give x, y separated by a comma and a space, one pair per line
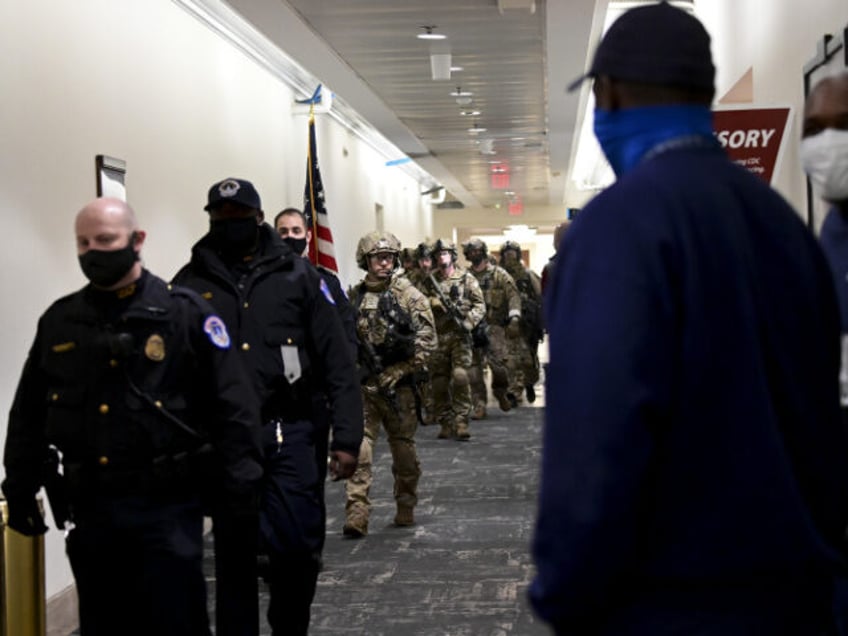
313, 244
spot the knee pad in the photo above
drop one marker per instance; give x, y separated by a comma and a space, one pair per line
460, 377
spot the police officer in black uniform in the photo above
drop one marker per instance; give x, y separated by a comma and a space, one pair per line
137, 386
290, 224
292, 345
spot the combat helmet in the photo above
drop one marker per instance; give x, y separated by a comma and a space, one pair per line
444, 245
475, 244
511, 245
422, 251
407, 254
375, 243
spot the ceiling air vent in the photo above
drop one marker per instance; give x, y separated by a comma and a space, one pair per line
450, 205
517, 5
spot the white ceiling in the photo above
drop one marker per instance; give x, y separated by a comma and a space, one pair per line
516, 64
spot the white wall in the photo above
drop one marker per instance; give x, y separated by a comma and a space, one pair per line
148, 83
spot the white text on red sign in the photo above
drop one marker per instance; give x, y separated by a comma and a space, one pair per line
745, 138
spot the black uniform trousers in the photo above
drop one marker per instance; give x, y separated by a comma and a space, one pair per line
291, 524
236, 573
322, 418
138, 565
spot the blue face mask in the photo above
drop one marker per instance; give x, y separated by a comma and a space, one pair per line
625, 135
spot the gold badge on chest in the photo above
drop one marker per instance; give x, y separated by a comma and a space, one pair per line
154, 348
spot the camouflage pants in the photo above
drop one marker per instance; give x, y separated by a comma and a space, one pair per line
427, 406
400, 422
525, 360
500, 364
449, 366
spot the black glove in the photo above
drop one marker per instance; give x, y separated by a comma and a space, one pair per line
25, 517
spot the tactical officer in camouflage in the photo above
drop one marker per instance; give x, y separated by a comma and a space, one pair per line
423, 265
418, 277
407, 260
458, 306
503, 315
397, 335
525, 348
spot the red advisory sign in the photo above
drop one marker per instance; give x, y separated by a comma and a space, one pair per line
753, 137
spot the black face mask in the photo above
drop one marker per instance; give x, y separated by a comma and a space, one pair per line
105, 268
476, 259
234, 236
297, 244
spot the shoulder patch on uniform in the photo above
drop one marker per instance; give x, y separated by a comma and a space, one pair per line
217, 331
325, 289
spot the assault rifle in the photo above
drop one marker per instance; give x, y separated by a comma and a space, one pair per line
372, 365
450, 307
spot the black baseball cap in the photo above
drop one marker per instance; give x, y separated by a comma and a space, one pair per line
655, 44
235, 191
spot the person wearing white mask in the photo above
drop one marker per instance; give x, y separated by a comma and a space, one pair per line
824, 155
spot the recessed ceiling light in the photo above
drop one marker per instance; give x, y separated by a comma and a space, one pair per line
456, 69
472, 113
428, 33
461, 93
476, 128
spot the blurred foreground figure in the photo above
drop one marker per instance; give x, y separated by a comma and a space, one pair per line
694, 467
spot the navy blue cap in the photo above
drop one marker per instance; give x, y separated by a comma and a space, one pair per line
235, 191
655, 44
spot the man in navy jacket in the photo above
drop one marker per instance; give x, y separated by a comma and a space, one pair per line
694, 468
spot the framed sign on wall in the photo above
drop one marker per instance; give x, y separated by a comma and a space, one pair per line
110, 174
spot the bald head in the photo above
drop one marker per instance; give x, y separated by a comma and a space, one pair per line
109, 225
108, 210
827, 106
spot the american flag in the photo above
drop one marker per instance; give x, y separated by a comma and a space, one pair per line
320, 249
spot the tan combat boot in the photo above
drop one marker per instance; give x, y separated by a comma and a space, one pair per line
504, 402
356, 525
445, 432
479, 412
462, 432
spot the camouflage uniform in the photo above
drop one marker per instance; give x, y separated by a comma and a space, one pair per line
397, 334
503, 306
525, 348
450, 362
418, 277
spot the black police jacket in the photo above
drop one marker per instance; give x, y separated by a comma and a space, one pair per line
284, 323
122, 383
343, 307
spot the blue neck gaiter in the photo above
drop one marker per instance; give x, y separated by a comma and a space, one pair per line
626, 135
